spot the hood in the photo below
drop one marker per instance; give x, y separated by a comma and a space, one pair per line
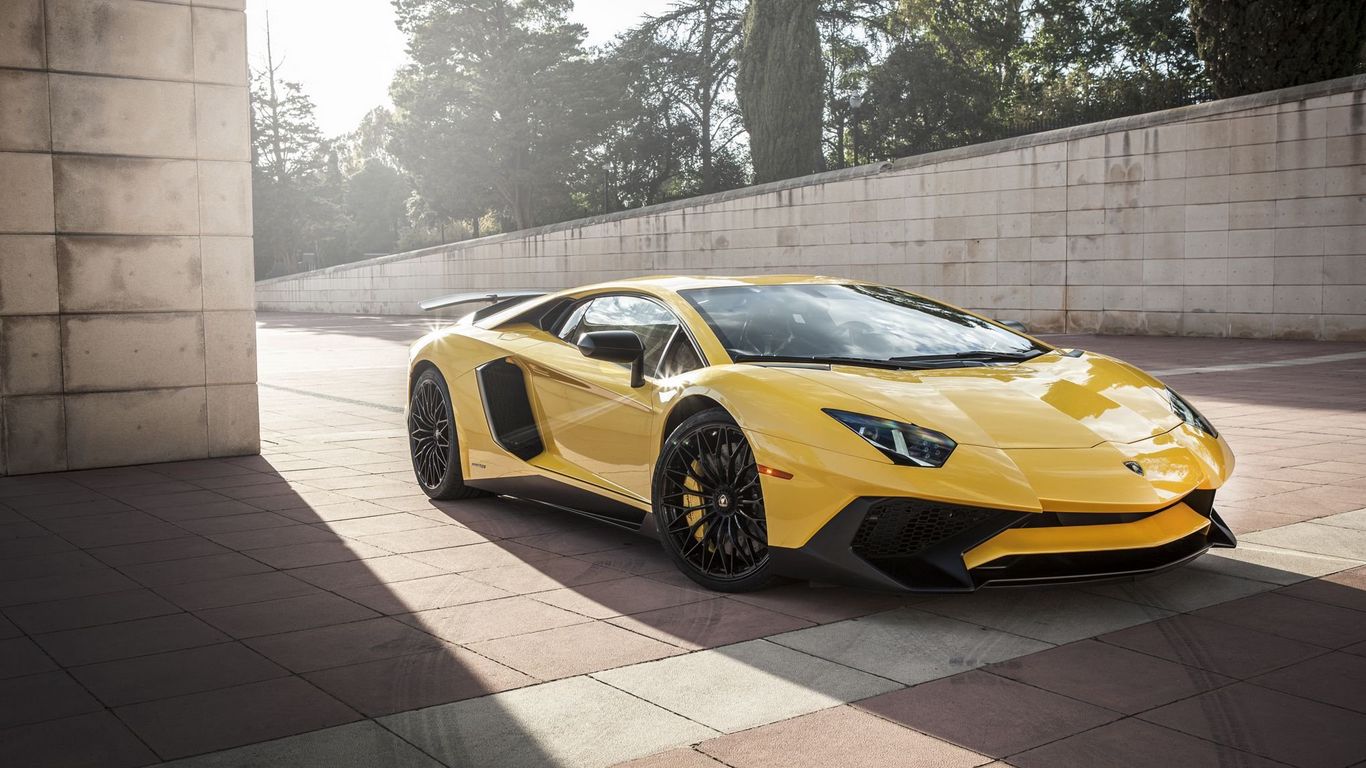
1052, 401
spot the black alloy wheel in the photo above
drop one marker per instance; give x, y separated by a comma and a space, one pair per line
709, 505
432, 439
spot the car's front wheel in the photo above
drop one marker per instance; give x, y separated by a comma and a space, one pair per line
432, 439
709, 506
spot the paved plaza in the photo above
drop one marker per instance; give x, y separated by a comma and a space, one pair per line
310, 607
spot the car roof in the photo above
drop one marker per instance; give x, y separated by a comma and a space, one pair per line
685, 282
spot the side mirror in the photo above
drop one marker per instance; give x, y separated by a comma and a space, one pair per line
1014, 325
616, 347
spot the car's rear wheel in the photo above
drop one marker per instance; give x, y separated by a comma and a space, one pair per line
709, 506
432, 439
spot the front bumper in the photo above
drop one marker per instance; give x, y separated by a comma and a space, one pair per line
907, 544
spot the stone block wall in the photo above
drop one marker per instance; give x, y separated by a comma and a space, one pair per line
1243, 217
126, 312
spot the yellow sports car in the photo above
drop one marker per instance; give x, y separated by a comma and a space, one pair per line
816, 428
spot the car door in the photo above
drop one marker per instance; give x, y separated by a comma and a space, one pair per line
596, 421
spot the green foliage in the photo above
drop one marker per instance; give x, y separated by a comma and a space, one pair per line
679, 104
293, 200
1260, 45
498, 108
779, 85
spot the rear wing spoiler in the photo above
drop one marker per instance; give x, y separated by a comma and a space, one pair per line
497, 300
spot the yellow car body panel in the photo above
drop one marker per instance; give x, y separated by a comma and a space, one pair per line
1047, 436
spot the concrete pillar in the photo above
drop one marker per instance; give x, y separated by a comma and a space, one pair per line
127, 331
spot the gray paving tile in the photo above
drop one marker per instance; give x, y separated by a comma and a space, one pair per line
910, 645
573, 723
741, 686
1328, 540
1355, 519
1276, 565
358, 745
1052, 615
1184, 589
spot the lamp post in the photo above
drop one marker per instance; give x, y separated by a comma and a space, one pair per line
855, 102
606, 188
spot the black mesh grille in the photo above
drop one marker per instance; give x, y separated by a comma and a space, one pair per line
906, 527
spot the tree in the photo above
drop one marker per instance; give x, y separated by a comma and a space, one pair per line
779, 86
293, 198
498, 107
1260, 45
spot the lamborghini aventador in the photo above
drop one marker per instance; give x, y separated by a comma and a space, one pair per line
816, 428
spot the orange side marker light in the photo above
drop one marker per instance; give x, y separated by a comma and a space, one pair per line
771, 472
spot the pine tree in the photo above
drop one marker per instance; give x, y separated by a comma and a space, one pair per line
779, 85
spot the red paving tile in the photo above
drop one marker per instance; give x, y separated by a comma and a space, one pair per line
1226, 649
1136, 744
288, 614
1335, 678
343, 644
21, 656
417, 680
710, 623
843, 736
366, 573
163, 675
1290, 729
608, 599
1306, 620
422, 594
96, 740
246, 714
573, 650
1109, 676
491, 619
89, 611
236, 590
44, 696
987, 714
194, 569
130, 638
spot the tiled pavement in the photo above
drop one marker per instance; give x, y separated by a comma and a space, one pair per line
309, 607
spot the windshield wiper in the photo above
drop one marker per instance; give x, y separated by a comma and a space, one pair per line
893, 364
981, 355
869, 362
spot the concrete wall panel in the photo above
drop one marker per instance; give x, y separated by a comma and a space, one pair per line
127, 273
133, 351
132, 38
21, 34
24, 119
126, 195
1217, 219
111, 428
28, 192
28, 275
117, 116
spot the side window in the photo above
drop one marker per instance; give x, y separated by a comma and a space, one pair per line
679, 356
667, 349
569, 330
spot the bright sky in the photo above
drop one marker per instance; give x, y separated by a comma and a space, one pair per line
345, 52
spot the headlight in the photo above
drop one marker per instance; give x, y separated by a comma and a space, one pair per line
902, 443
1187, 413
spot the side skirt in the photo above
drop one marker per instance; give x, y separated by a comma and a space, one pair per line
545, 490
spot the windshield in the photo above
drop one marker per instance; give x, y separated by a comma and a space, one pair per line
853, 322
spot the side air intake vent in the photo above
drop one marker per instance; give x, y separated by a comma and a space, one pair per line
502, 386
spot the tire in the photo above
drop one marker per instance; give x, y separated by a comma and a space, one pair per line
709, 505
432, 440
